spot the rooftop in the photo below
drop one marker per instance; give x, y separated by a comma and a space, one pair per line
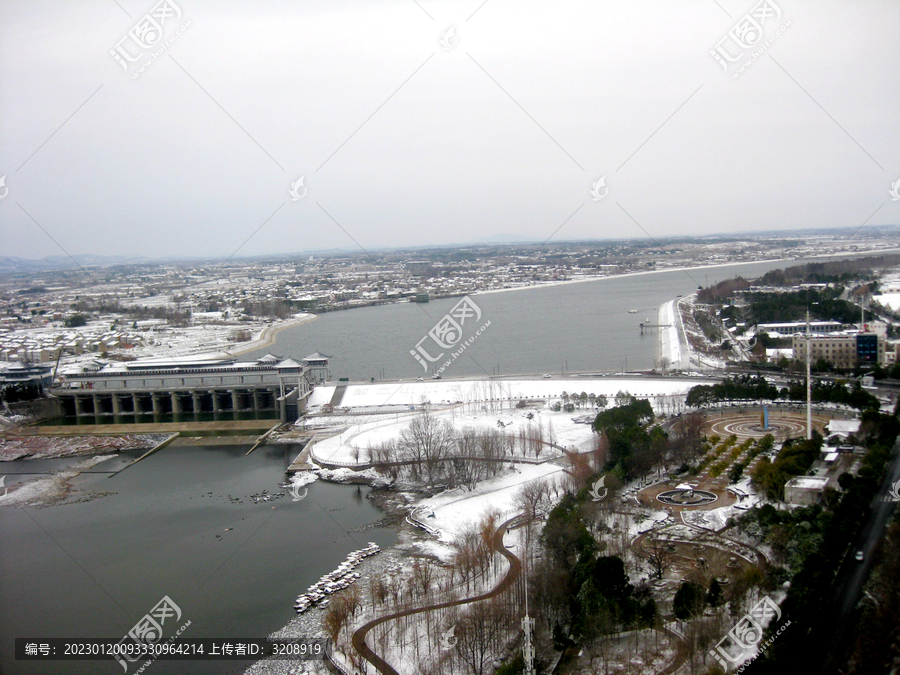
193, 363
807, 482
843, 427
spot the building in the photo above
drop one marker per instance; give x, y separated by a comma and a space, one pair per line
892, 352
878, 327
804, 490
185, 387
800, 327
869, 349
317, 365
25, 374
842, 428
842, 350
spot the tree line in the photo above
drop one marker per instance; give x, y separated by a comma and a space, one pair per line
812, 543
833, 271
757, 388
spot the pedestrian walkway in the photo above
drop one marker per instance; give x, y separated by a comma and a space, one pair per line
515, 568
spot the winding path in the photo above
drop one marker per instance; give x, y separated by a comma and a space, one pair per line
682, 652
515, 568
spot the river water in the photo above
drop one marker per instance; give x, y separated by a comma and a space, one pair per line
574, 327
92, 569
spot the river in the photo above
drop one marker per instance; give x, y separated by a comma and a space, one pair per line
91, 569
575, 327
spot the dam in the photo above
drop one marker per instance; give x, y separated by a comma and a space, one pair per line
185, 385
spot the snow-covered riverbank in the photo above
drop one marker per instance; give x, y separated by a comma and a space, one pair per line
370, 414
370, 396
674, 351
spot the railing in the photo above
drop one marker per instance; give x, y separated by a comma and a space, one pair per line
362, 466
337, 664
414, 521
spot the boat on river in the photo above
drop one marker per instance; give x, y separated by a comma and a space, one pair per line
342, 577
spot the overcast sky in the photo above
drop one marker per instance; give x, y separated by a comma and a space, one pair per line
403, 139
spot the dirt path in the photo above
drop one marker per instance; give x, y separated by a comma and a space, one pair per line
515, 568
761, 560
680, 656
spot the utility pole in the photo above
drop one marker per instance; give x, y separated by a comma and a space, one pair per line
808, 381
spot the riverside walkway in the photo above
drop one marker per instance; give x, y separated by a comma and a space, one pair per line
515, 569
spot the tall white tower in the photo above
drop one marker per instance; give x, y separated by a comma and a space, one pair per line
808, 382
527, 641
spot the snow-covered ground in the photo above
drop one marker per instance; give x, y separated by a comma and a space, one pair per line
889, 285
453, 511
49, 489
889, 299
352, 446
691, 330
476, 404
465, 391
716, 519
447, 516
670, 338
50, 447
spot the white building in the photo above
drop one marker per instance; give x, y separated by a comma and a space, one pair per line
804, 490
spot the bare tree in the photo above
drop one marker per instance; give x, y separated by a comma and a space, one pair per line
530, 496
480, 633
659, 554
580, 470
664, 363
686, 437
377, 589
427, 441
423, 576
336, 619
466, 557
600, 455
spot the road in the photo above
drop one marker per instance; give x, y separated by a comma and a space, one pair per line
852, 575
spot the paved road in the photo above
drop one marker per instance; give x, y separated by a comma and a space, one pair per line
852, 575
515, 568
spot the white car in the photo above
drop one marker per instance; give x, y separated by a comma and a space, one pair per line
859, 556
546, 376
